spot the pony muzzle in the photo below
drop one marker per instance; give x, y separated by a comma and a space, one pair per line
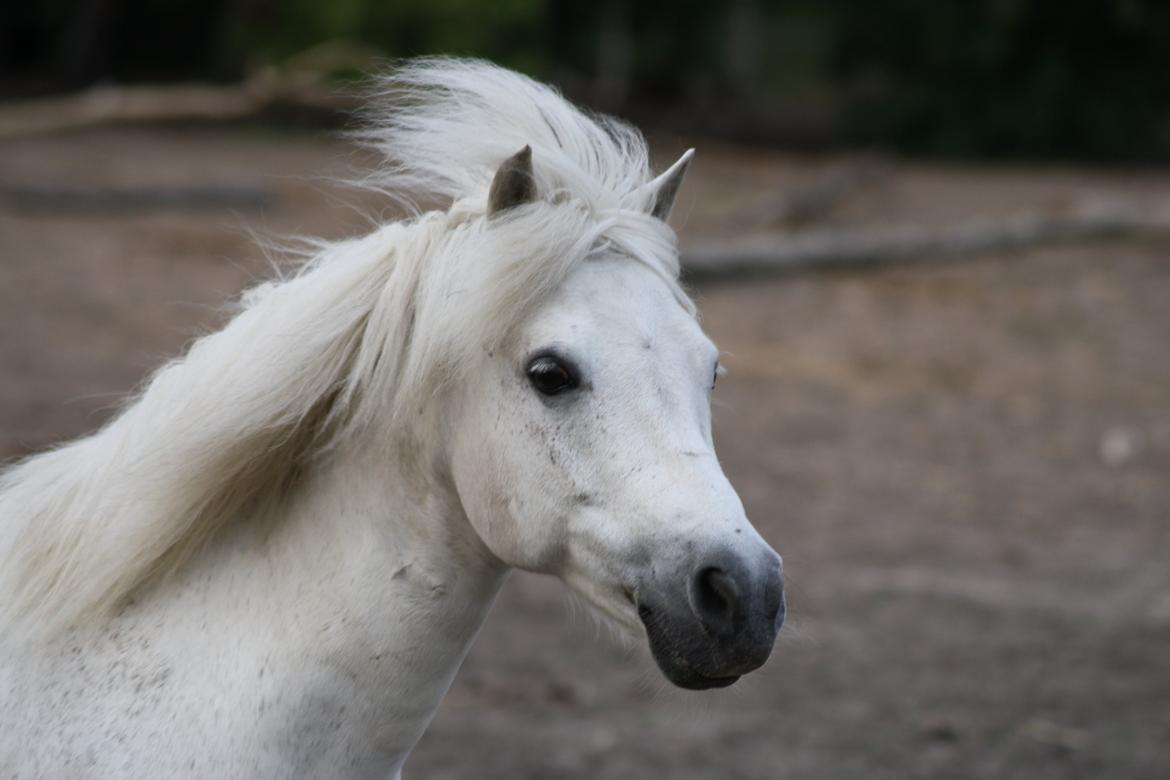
715, 621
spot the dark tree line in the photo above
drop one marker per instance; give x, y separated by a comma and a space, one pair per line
1045, 79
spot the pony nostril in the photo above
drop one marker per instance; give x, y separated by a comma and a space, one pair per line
716, 598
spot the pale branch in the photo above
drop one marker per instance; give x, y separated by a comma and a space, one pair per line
299, 83
186, 103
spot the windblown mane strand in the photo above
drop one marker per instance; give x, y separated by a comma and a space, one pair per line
360, 339
444, 125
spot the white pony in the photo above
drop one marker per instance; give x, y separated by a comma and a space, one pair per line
272, 563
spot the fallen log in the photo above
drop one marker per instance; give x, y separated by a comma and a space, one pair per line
867, 246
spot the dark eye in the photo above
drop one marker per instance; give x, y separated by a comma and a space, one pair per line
551, 375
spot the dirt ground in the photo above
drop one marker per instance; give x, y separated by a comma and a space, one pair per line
964, 465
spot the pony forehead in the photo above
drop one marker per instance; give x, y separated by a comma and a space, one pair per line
487, 278
545, 242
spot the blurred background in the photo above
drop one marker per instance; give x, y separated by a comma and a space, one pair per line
1038, 79
932, 238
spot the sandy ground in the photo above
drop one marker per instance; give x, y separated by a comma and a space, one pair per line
965, 467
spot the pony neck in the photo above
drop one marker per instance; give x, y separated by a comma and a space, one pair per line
387, 586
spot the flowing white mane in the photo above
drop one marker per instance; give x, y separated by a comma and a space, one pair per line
364, 333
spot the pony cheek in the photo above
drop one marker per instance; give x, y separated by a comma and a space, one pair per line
530, 536
505, 521
511, 500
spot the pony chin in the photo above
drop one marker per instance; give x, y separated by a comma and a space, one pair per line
611, 608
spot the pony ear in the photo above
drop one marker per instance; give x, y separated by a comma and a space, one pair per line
665, 187
513, 184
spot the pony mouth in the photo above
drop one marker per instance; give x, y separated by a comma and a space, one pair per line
673, 655
693, 681
674, 668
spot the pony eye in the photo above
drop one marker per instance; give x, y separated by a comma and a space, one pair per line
551, 376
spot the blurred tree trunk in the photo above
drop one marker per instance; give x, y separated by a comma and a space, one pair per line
83, 51
742, 51
615, 61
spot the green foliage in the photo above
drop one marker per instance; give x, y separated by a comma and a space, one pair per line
507, 31
1038, 78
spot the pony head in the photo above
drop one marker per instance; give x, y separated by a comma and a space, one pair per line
578, 437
